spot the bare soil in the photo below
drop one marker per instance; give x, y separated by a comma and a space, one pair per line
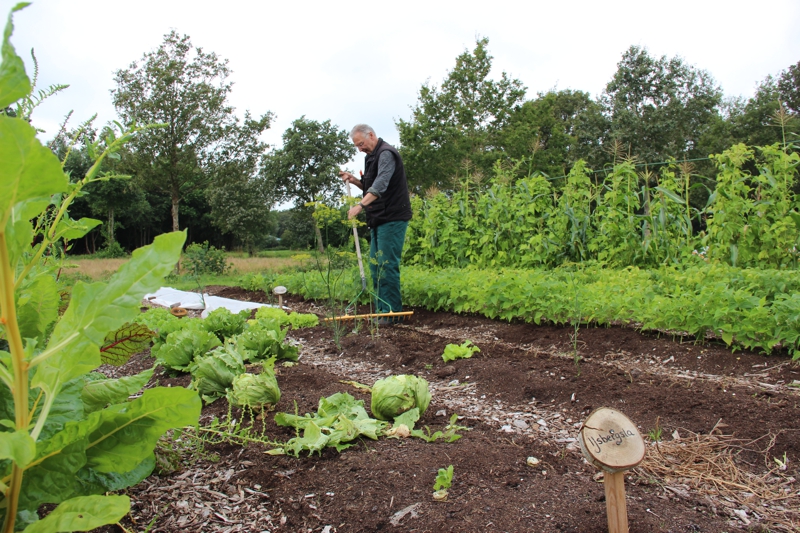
524, 395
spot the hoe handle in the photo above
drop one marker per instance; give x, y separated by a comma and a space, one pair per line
358, 250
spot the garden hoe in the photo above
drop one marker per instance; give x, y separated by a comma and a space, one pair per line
354, 303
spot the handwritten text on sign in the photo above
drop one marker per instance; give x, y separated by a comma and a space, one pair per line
613, 437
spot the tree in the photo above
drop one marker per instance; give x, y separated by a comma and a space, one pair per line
185, 89
307, 167
239, 194
554, 131
460, 122
660, 108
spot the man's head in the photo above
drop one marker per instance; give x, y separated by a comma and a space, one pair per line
364, 138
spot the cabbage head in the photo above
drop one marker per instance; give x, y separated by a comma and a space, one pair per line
255, 390
213, 374
394, 395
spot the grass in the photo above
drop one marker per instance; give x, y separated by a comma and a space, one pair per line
90, 269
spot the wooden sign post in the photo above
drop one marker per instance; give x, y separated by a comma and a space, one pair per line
611, 442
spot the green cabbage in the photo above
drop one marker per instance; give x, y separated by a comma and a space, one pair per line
255, 390
395, 395
213, 374
184, 346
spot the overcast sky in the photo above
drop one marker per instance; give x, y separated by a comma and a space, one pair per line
354, 62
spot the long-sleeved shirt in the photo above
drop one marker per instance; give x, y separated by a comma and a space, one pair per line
385, 170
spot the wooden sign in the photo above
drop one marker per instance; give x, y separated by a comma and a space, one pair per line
611, 442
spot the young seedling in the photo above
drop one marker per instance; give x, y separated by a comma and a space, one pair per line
463, 351
444, 478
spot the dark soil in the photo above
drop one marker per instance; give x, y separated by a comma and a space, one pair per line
522, 396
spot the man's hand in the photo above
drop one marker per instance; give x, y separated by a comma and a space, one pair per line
354, 211
349, 178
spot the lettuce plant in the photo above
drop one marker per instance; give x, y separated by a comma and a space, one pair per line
67, 437
456, 351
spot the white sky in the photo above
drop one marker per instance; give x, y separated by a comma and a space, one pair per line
354, 62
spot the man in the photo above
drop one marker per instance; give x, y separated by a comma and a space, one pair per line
388, 209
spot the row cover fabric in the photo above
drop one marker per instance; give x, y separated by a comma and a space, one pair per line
169, 297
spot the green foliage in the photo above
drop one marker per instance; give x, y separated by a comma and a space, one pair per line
460, 122
255, 390
394, 395
182, 347
112, 250
187, 88
659, 108
339, 420
225, 324
202, 258
456, 351
68, 436
213, 374
444, 478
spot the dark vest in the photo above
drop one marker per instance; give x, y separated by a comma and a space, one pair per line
394, 204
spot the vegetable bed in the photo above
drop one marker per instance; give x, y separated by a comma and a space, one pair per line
521, 397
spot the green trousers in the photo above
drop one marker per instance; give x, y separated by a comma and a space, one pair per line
385, 249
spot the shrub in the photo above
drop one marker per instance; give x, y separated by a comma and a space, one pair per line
205, 259
111, 251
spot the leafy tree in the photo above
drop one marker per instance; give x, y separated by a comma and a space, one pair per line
660, 108
307, 167
460, 122
185, 89
789, 88
239, 195
554, 131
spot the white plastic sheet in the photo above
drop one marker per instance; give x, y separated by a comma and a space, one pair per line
169, 297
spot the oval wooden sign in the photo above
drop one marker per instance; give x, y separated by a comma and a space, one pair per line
610, 441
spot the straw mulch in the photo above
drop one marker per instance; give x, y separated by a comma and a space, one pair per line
713, 470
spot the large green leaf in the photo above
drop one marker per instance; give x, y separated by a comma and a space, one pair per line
17, 446
14, 83
98, 308
94, 482
29, 170
83, 513
37, 305
70, 229
98, 394
128, 432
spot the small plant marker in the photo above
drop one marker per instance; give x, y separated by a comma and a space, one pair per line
611, 442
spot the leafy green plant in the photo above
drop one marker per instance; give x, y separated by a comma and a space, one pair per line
255, 390
455, 351
111, 251
183, 347
213, 373
394, 395
59, 446
202, 258
225, 324
339, 420
443, 482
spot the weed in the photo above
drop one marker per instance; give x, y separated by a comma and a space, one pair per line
655, 434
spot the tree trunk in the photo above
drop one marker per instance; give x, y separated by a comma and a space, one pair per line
317, 231
111, 226
176, 199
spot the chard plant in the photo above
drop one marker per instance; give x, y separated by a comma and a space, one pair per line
67, 438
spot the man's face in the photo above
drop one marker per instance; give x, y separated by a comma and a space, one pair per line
365, 143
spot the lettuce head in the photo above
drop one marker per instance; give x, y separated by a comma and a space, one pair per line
394, 395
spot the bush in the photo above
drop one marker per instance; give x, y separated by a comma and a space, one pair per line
111, 251
205, 259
